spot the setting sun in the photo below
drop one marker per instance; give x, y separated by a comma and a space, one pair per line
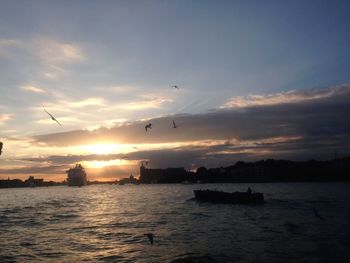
101, 164
101, 148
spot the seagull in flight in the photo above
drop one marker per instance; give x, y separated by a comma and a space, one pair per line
53, 118
1, 144
150, 237
174, 124
175, 86
148, 126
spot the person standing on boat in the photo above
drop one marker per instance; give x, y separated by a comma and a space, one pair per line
249, 191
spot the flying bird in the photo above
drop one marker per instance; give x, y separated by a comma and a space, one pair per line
148, 126
53, 118
150, 237
175, 86
174, 124
135, 147
1, 144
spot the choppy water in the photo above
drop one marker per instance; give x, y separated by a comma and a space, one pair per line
300, 222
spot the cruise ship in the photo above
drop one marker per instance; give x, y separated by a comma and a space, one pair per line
76, 176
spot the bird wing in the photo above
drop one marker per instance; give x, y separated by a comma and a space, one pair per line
53, 118
49, 114
57, 121
1, 144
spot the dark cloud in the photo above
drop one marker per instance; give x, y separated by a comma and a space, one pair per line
70, 159
315, 116
48, 169
310, 125
222, 154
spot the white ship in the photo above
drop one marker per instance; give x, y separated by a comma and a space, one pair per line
76, 176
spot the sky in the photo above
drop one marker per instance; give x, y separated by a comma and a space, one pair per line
256, 81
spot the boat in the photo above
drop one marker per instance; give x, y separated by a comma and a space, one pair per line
76, 176
215, 196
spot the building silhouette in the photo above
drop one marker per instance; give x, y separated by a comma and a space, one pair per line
255, 172
168, 175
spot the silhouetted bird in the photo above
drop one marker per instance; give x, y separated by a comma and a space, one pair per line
317, 214
1, 144
175, 86
174, 124
150, 237
53, 118
148, 126
135, 147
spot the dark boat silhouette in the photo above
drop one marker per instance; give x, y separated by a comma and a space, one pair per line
215, 196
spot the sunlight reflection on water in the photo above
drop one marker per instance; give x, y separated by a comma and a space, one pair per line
107, 223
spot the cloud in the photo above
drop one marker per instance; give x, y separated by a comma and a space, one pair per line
191, 156
292, 96
4, 118
67, 105
65, 120
8, 42
52, 51
208, 151
49, 50
31, 88
6, 46
319, 123
94, 101
42, 56
153, 103
307, 128
51, 169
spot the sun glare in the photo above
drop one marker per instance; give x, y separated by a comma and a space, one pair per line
101, 164
101, 148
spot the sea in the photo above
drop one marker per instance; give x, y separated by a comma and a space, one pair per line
299, 222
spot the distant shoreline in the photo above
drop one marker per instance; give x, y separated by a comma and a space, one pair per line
264, 171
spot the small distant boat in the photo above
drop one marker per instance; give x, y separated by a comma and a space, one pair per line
215, 196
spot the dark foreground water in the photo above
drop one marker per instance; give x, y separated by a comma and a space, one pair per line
300, 222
